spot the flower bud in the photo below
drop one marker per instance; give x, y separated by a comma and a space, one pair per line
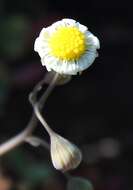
65, 155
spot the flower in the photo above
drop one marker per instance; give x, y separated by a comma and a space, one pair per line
67, 47
65, 155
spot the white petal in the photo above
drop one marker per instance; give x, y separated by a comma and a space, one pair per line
42, 32
56, 25
96, 42
63, 67
57, 66
71, 68
36, 44
69, 22
38, 47
93, 40
63, 22
81, 27
48, 68
87, 60
90, 57
42, 51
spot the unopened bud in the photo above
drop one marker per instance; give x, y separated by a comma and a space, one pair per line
65, 155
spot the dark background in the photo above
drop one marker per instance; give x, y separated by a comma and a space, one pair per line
93, 110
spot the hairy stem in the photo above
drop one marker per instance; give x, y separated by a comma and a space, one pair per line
42, 120
20, 138
38, 106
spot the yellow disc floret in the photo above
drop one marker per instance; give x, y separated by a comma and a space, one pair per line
67, 43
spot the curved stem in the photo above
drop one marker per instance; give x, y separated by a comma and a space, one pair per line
48, 91
20, 138
42, 120
37, 107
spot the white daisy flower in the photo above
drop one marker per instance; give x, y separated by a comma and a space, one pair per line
67, 47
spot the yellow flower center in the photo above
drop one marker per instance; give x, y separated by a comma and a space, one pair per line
67, 43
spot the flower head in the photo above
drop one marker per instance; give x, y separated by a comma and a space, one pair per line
65, 155
67, 47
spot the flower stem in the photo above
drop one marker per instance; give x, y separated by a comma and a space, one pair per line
38, 106
20, 138
41, 119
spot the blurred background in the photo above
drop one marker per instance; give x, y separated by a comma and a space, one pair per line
93, 110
